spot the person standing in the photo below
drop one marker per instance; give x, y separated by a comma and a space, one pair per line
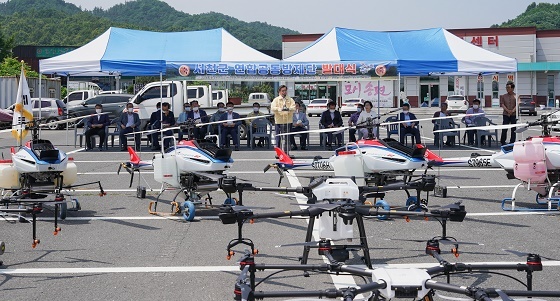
283, 108
96, 126
353, 121
300, 123
409, 127
129, 123
508, 102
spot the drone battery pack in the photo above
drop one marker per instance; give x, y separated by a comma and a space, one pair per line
141, 192
440, 191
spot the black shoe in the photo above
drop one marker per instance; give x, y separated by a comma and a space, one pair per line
123, 149
100, 149
294, 147
237, 148
303, 148
340, 145
88, 149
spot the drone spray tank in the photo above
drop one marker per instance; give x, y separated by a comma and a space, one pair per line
349, 163
331, 224
9, 177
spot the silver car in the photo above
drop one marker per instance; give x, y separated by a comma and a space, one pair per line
52, 110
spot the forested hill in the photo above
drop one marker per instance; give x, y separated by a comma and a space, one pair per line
542, 16
55, 22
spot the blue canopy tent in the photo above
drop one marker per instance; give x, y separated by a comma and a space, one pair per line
136, 53
408, 53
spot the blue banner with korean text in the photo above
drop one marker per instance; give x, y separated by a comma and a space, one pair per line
278, 70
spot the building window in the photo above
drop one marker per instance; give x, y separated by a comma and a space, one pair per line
451, 84
480, 88
31, 92
52, 93
550, 86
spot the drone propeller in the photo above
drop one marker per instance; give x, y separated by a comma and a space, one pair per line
524, 254
503, 295
443, 240
238, 208
430, 119
324, 206
309, 243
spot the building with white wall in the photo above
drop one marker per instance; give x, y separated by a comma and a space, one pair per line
537, 53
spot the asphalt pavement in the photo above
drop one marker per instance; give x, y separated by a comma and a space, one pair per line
112, 249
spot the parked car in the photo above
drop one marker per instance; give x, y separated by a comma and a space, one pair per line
261, 98
113, 104
52, 110
457, 103
77, 97
317, 106
6, 119
527, 105
350, 105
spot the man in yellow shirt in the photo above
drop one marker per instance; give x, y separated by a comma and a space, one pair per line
283, 108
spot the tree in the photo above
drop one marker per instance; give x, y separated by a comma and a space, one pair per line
12, 67
6, 45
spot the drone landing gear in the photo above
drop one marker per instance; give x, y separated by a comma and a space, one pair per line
550, 199
240, 240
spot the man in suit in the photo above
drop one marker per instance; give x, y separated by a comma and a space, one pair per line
96, 126
331, 118
409, 127
129, 123
229, 127
165, 120
300, 123
199, 116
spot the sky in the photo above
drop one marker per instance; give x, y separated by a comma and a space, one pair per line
319, 16
311, 16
